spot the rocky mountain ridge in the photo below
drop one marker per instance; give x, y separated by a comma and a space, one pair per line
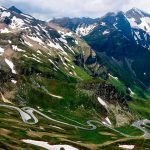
122, 42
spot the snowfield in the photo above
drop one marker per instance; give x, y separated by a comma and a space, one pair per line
49, 147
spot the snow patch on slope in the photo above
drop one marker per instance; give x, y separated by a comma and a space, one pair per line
103, 23
1, 50
144, 25
33, 58
131, 92
27, 16
107, 122
106, 32
102, 102
2, 8
5, 30
29, 44
5, 14
14, 81
83, 30
128, 147
11, 65
49, 147
16, 23
107, 119
56, 45
15, 48
36, 39
116, 78
53, 63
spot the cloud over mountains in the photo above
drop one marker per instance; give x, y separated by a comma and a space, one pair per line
45, 9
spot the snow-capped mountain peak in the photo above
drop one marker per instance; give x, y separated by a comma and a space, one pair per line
139, 19
135, 12
41, 36
13, 18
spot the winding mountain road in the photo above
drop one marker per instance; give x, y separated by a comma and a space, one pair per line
140, 125
27, 115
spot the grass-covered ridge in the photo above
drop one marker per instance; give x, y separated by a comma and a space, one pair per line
66, 91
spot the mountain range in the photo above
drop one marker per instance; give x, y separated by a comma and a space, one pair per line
70, 70
121, 40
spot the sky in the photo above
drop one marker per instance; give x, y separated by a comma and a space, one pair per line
48, 9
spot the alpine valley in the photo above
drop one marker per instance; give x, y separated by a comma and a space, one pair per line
75, 83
